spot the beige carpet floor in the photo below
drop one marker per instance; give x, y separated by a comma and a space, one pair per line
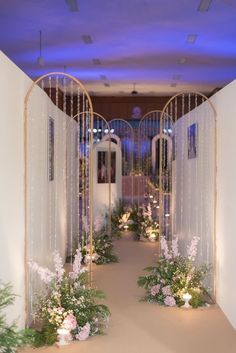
138, 327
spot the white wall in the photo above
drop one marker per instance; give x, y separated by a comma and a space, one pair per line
194, 211
12, 92
193, 183
47, 207
47, 228
101, 191
225, 104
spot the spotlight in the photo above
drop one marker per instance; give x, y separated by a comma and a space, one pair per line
106, 131
112, 131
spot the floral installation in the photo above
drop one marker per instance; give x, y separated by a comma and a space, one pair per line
125, 221
10, 337
149, 227
116, 219
174, 275
68, 303
102, 250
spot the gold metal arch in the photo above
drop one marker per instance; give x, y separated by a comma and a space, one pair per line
113, 121
26, 152
164, 111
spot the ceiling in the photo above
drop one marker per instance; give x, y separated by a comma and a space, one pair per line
133, 41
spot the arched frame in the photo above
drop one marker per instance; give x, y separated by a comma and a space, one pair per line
165, 112
26, 176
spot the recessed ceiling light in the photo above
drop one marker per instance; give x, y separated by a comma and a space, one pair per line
176, 77
87, 39
103, 77
106, 84
204, 5
96, 62
72, 5
191, 38
182, 61
173, 84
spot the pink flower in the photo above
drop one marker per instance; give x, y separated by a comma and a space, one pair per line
164, 248
192, 249
58, 265
84, 333
166, 290
76, 265
170, 301
44, 273
70, 322
175, 248
155, 289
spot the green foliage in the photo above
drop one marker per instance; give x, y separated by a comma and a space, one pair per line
102, 249
136, 219
103, 246
10, 337
117, 213
148, 225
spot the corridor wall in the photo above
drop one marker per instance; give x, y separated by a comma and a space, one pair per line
196, 176
15, 85
12, 231
225, 105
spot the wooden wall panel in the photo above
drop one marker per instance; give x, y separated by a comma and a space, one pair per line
121, 107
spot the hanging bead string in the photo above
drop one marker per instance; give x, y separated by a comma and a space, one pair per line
202, 190
57, 139
197, 179
78, 166
50, 185
170, 170
71, 130
174, 118
42, 162
84, 168
183, 153
190, 166
87, 169
64, 141
82, 176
